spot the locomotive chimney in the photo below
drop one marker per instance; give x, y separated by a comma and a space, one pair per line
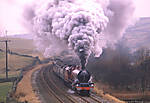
82, 57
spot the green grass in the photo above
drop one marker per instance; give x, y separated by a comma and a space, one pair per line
4, 89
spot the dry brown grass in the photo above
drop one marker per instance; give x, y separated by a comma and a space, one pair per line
14, 64
21, 46
131, 95
106, 96
121, 94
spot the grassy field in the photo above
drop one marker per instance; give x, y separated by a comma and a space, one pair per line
15, 63
4, 89
24, 46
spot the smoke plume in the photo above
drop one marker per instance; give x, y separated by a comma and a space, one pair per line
84, 26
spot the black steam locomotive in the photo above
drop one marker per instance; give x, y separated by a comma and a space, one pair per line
79, 80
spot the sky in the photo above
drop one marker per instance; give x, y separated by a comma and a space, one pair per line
142, 8
11, 15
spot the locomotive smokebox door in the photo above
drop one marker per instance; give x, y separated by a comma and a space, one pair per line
84, 76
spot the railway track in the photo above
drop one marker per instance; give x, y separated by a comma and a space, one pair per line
56, 93
52, 89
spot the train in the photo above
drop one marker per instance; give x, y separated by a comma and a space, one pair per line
79, 80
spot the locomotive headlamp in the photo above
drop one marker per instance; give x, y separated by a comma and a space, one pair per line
92, 84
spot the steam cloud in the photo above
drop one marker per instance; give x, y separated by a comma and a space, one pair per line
85, 26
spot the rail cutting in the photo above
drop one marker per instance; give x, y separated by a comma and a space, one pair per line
46, 75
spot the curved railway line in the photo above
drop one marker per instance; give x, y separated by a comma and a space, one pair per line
53, 90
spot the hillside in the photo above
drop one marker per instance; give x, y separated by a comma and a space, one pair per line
138, 35
19, 45
21, 36
15, 63
114, 72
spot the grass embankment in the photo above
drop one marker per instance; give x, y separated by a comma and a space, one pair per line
105, 95
25, 91
111, 93
4, 89
16, 63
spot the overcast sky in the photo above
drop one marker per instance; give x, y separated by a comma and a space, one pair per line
142, 8
10, 14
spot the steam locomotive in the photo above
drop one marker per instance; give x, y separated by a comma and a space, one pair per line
79, 80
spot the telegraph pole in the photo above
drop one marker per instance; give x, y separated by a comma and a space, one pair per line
6, 44
6, 60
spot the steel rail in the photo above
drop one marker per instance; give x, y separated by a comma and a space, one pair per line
50, 91
67, 96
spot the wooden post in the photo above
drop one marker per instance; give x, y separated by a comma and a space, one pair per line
6, 60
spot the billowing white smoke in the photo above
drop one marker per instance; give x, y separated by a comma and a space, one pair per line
85, 26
